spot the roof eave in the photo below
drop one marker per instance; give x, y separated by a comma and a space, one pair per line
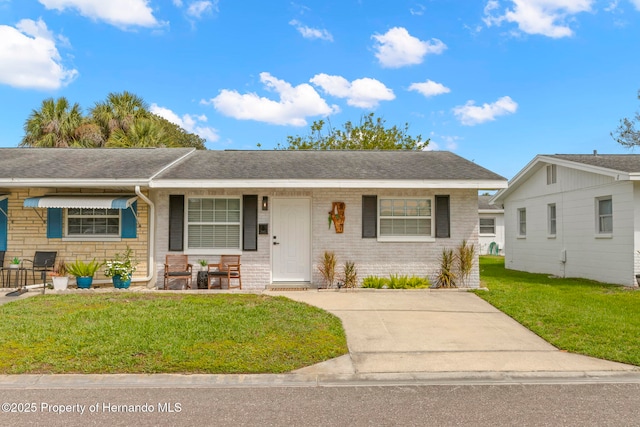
327, 183
72, 183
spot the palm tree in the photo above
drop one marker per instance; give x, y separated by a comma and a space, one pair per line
118, 112
53, 125
142, 133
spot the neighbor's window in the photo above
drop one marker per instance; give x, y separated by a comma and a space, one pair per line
405, 219
487, 226
604, 206
88, 222
213, 223
522, 222
551, 174
551, 216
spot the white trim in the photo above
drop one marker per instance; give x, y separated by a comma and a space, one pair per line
74, 183
491, 211
327, 183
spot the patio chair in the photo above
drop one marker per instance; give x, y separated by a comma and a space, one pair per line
228, 268
177, 267
42, 263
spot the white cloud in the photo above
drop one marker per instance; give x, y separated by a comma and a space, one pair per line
191, 124
295, 103
199, 8
429, 88
362, 93
418, 11
397, 48
119, 13
177, 3
29, 57
545, 17
636, 3
442, 142
471, 114
311, 33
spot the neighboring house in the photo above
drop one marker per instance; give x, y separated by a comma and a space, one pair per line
272, 207
575, 216
491, 226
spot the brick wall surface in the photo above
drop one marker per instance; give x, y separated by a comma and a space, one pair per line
370, 256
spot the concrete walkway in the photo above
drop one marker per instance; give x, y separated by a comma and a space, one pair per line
437, 332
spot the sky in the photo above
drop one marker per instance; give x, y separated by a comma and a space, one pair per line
494, 81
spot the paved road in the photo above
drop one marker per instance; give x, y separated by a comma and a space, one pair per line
441, 405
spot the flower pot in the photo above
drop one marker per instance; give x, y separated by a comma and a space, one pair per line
84, 282
14, 266
60, 283
120, 282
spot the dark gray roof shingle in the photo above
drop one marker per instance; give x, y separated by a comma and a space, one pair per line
483, 203
338, 165
620, 162
85, 163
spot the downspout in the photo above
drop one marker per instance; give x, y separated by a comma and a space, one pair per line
151, 261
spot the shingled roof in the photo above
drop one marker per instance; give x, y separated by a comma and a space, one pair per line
188, 167
327, 165
629, 163
86, 164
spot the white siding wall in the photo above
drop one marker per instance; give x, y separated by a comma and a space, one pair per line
486, 239
371, 257
588, 255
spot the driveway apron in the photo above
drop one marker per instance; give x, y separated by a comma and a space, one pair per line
436, 331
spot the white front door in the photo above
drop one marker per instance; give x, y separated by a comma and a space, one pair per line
291, 240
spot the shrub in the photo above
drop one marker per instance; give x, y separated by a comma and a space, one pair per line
349, 275
395, 281
446, 277
327, 268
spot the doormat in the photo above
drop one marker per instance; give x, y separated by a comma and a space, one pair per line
16, 293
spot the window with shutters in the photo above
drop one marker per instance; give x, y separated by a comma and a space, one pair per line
89, 222
407, 219
213, 223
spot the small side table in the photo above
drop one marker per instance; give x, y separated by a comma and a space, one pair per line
19, 273
203, 279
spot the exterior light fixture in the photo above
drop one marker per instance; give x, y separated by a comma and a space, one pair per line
265, 203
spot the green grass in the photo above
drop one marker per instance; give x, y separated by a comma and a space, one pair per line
151, 333
395, 281
577, 315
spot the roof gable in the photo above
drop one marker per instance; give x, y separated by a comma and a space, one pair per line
622, 167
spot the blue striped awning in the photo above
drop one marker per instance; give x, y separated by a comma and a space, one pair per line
81, 201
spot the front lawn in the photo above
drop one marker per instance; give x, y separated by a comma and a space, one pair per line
577, 315
152, 333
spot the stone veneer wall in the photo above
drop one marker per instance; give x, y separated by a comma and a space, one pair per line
27, 233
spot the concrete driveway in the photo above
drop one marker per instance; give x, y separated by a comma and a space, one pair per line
436, 331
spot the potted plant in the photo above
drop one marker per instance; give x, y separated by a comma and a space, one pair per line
121, 268
59, 276
83, 272
203, 264
14, 263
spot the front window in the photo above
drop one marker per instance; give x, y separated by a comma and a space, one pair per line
522, 222
89, 222
487, 226
604, 206
213, 223
405, 219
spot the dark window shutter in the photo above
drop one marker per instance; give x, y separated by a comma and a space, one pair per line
54, 223
250, 223
369, 216
128, 228
176, 222
4, 211
443, 226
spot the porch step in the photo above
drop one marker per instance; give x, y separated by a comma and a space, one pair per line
290, 287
